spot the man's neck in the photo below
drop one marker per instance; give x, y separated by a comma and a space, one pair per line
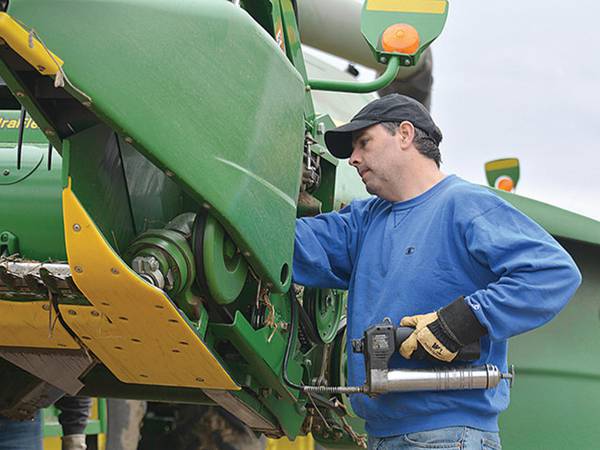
419, 180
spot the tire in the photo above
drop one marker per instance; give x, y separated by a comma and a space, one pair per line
124, 423
200, 427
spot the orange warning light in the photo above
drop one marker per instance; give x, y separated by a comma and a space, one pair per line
505, 183
400, 38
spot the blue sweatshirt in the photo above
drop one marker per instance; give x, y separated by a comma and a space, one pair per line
414, 257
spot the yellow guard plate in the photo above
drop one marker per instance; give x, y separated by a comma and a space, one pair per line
133, 327
27, 324
32, 50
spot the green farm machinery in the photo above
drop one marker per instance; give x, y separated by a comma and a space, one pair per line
147, 225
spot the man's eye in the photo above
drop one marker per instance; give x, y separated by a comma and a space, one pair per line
363, 142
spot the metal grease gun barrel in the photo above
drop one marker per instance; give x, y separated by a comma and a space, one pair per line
438, 379
410, 380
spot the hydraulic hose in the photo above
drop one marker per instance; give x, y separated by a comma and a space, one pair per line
311, 390
293, 325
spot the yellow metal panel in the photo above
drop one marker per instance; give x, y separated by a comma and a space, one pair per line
28, 324
502, 164
26, 45
132, 327
408, 6
300, 443
52, 443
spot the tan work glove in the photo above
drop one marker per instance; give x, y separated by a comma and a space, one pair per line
74, 442
423, 335
442, 333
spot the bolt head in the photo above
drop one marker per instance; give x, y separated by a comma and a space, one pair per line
78, 269
6, 172
72, 312
128, 140
49, 132
20, 94
95, 313
76, 227
114, 271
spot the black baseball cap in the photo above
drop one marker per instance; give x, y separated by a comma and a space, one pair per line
391, 108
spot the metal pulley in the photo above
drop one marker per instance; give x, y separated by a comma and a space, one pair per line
326, 309
221, 270
163, 258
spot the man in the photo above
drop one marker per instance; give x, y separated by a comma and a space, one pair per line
436, 253
21, 435
28, 434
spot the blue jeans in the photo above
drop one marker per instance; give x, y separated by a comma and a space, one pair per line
463, 438
16, 435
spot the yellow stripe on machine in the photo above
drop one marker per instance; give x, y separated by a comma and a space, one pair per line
507, 163
408, 6
29, 324
30, 48
132, 327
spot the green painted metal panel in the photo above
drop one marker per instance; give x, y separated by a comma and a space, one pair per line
377, 17
263, 350
30, 201
27, 99
98, 179
155, 199
502, 167
101, 382
9, 129
557, 221
205, 93
551, 412
556, 396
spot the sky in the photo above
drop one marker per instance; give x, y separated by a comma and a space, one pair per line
522, 79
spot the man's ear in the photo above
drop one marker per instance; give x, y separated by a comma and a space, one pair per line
406, 132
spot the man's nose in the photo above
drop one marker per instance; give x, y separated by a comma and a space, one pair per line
354, 159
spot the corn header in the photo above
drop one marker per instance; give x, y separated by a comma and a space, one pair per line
152, 258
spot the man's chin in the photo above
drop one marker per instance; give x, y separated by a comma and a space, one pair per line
371, 189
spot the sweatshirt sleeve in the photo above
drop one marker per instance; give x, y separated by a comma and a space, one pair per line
325, 247
536, 277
